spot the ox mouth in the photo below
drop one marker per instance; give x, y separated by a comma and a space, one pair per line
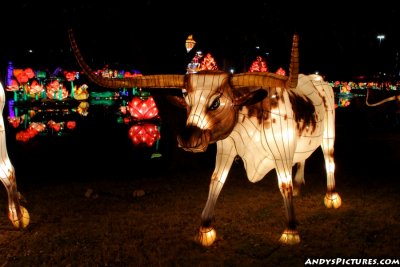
194, 140
194, 149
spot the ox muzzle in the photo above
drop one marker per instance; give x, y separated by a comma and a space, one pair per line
194, 139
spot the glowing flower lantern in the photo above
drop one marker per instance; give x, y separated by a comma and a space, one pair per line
29, 72
345, 89
55, 90
14, 87
144, 133
54, 125
70, 76
36, 89
281, 71
258, 65
208, 63
22, 79
38, 126
71, 125
143, 109
190, 42
14, 121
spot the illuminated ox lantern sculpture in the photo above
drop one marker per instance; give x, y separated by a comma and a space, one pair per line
270, 121
18, 215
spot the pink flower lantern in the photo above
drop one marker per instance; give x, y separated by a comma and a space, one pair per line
141, 109
146, 133
70, 76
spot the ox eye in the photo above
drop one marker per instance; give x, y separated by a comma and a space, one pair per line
215, 104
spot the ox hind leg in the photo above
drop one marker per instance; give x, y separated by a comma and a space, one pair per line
284, 171
224, 159
298, 180
332, 198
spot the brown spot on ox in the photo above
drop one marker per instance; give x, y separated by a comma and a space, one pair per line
304, 111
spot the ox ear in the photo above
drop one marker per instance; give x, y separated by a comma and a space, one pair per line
177, 101
250, 97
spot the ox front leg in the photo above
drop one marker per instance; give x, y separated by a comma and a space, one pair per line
225, 156
290, 235
332, 198
17, 214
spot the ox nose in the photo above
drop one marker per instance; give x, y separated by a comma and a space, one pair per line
194, 139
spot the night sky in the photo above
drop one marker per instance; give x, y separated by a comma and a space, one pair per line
338, 41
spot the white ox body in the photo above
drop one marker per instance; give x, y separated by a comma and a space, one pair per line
285, 128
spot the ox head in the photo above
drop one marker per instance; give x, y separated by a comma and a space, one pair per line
211, 98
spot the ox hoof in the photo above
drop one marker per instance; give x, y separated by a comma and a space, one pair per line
22, 222
296, 191
332, 200
206, 236
290, 237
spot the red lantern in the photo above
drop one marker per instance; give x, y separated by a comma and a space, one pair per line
29, 72
13, 86
146, 133
71, 125
69, 75
22, 136
281, 71
259, 65
15, 121
208, 63
142, 109
22, 78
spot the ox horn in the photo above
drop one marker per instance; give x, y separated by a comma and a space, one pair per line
147, 81
294, 64
258, 80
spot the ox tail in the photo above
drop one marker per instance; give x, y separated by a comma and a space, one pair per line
147, 81
396, 97
294, 64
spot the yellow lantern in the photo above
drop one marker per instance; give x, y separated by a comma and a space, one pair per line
190, 42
